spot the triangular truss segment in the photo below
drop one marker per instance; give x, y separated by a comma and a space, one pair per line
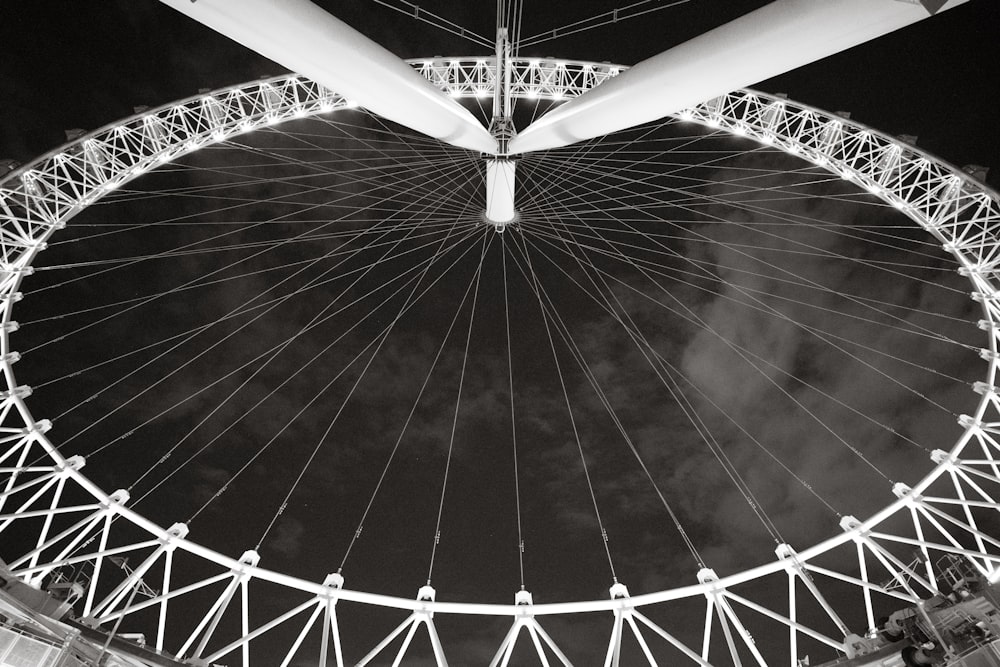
539, 638
419, 617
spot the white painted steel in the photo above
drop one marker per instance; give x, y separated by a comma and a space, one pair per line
500, 183
302, 37
37, 200
769, 41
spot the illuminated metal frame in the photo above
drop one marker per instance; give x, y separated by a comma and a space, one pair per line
945, 509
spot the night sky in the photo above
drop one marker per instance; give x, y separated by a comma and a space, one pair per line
85, 64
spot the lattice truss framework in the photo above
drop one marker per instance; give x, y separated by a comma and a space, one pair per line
952, 512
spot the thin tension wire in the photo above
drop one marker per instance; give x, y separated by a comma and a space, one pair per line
487, 242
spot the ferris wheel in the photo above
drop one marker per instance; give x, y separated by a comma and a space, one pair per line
335, 320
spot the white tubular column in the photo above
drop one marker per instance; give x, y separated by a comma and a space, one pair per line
302, 37
769, 41
500, 192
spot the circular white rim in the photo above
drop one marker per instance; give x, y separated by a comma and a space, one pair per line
37, 199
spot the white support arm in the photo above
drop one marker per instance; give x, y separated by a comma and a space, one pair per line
769, 41
302, 37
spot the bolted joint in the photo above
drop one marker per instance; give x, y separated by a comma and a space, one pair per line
426, 594
41, 426
849, 523
119, 497
706, 575
967, 422
618, 591
20, 391
250, 557
939, 456
12, 270
901, 490
74, 463
982, 388
784, 551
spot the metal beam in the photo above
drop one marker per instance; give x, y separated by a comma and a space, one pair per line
302, 37
769, 41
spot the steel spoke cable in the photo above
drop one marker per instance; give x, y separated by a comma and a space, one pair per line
241, 174
579, 160
784, 391
673, 388
413, 409
270, 200
742, 349
779, 268
795, 400
375, 173
358, 176
375, 152
533, 280
377, 342
817, 334
419, 13
189, 334
572, 158
668, 271
587, 219
631, 10
591, 162
671, 368
513, 420
429, 229
326, 434
816, 418
274, 304
906, 276
344, 121
367, 161
563, 195
371, 313
487, 242
386, 137
190, 360
274, 352
703, 269
419, 148
595, 230
270, 353
696, 198
740, 183
212, 223
578, 356
249, 306
384, 164
711, 182
308, 237
818, 252
281, 244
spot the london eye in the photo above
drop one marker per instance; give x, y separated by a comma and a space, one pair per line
501, 359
